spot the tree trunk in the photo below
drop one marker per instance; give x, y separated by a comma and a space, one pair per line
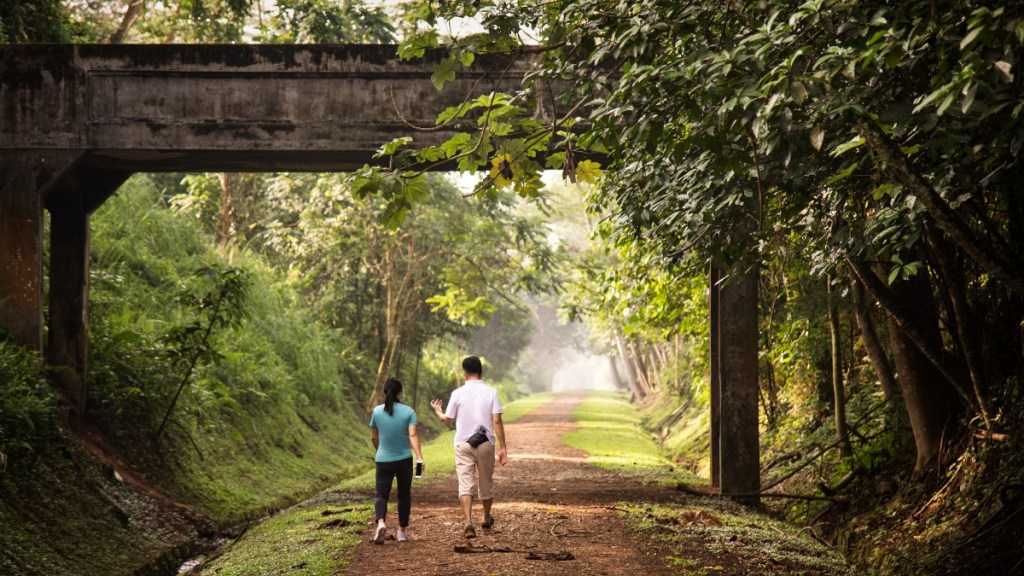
631, 378
838, 392
416, 376
714, 361
616, 375
876, 352
740, 438
928, 398
132, 14
226, 218
899, 312
963, 318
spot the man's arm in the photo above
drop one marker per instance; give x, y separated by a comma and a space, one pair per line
436, 404
499, 431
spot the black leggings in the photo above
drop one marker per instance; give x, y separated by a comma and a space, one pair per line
386, 472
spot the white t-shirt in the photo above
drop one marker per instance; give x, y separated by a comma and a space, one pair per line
472, 405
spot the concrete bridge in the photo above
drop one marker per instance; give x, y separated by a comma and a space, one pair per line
78, 120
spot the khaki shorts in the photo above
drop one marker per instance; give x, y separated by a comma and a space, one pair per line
474, 468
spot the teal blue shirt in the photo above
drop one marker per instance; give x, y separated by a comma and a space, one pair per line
393, 430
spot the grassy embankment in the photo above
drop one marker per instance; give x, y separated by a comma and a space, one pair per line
316, 537
696, 536
261, 423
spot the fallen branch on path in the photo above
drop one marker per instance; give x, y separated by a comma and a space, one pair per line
552, 556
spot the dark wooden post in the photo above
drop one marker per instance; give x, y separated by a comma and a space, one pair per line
716, 378
739, 442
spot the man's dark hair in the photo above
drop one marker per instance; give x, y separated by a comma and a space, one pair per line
471, 365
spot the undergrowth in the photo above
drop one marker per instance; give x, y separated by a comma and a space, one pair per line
263, 418
696, 536
969, 521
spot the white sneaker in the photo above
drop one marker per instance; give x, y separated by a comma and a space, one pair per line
401, 536
379, 535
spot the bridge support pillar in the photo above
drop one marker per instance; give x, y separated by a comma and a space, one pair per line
78, 194
67, 338
25, 178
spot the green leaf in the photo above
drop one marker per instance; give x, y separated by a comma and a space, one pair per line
817, 137
883, 190
417, 44
455, 144
856, 142
391, 147
894, 274
971, 37
799, 92
842, 174
970, 90
444, 72
946, 102
588, 171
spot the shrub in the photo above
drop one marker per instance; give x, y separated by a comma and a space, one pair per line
28, 405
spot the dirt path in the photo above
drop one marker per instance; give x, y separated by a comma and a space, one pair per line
547, 501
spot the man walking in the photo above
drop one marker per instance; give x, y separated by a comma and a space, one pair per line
476, 412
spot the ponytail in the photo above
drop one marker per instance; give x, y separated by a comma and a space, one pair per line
392, 388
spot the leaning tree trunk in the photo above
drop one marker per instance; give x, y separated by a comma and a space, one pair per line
928, 398
631, 378
226, 218
963, 318
876, 352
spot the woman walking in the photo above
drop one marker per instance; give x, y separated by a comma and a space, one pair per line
393, 431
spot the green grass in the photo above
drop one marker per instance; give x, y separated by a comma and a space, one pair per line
611, 434
301, 541
277, 463
523, 406
728, 538
699, 537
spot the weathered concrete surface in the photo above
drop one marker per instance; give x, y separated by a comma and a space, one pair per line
226, 108
77, 120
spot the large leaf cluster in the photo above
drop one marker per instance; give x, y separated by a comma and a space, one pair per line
731, 126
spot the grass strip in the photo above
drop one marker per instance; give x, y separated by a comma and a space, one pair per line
611, 434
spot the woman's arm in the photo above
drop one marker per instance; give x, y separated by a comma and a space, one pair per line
375, 438
414, 441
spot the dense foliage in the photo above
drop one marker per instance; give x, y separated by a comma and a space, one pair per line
27, 405
863, 157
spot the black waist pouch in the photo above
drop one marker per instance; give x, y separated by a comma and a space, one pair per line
479, 437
